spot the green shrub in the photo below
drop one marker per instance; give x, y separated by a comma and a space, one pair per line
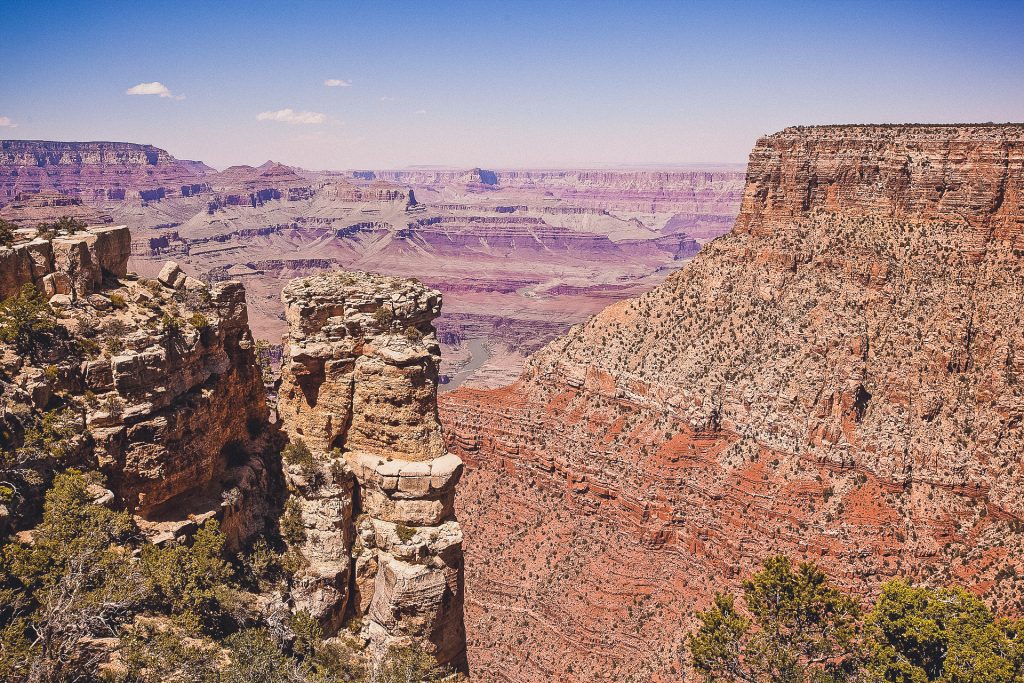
298, 453
255, 659
170, 323
308, 633
7, 233
262, 565
74, 581
405, 533
405, 664
26, 320
69, 224
118, 301
54, 437
797, 628
199, 321
113, 345
413, 334
292, 529
152, 654
263, 361
191, 581
383, 316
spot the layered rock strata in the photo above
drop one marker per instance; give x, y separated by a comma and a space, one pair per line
98, 171
835, 380
160, 376
359, 387
31, 209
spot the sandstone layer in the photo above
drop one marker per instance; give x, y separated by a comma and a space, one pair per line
837, 380
359, 389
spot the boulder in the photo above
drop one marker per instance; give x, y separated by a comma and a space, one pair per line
113, 248
169, 274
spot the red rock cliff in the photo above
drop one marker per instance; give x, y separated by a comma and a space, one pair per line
837, 379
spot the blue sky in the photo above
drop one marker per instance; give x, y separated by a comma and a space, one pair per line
495, 84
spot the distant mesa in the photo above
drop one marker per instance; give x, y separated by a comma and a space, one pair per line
481, 176
94, 171
521, 254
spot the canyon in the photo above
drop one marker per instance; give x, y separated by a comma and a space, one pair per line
837, 380
520, 255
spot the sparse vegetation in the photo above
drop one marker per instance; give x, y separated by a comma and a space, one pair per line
383, 316
199, 321
292, 529
179, 612
297, 453
65, 225
263, 358
793, 626
7, 233
405, 533
26, 320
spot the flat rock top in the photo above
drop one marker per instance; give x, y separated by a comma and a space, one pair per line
355, 286
978, 131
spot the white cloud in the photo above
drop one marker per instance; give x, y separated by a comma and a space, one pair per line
6, 122
154, 88
420, 111
387, 98
337, 83
291, 116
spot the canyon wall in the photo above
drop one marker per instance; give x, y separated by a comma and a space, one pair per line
157, 376
837, 380
359, 390
93, 170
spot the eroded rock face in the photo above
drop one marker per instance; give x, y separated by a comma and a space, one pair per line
81, 260
835, 380
359, 387
163, 381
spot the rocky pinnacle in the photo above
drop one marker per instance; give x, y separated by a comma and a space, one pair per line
359, 389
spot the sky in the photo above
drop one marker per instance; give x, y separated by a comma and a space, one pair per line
340, 85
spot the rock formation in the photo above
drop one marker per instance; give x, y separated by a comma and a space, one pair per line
359, 387
154, 383
161, 376
837, 380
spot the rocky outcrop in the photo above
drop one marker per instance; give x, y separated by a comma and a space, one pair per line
959, 174
162, 377
73, 264
359, 387
378, 192
836, 380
